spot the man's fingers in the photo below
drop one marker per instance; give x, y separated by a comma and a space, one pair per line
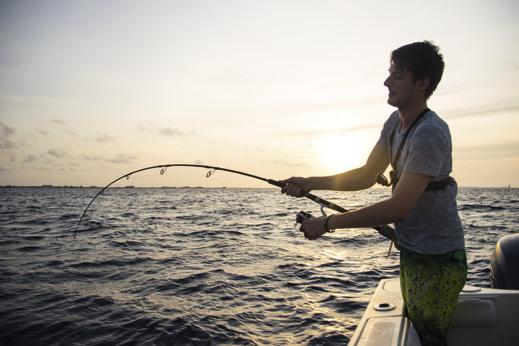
304, 230
291, 190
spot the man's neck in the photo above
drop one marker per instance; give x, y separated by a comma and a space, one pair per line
409, 114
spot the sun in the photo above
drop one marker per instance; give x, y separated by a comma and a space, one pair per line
339, 153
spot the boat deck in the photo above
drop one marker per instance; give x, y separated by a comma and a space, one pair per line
484, 316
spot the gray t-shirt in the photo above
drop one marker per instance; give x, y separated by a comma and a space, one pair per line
433, 225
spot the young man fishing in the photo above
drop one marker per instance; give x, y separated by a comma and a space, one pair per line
417, 144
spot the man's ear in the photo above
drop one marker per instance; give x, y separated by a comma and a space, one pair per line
423, 83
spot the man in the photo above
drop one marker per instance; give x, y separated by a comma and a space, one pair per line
417, 144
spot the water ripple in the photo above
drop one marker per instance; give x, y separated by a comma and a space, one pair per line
200, 266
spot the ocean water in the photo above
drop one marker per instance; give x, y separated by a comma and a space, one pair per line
199, 266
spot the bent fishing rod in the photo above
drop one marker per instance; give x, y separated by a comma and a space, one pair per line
384, 230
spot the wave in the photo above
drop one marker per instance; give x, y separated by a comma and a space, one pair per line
200, 267
480, 207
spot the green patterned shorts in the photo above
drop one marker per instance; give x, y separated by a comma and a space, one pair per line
430, 287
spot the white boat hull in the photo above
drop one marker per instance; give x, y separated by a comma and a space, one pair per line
484, 316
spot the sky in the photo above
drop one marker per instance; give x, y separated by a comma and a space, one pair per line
91, 90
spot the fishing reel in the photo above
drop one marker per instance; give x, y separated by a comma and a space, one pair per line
302, 216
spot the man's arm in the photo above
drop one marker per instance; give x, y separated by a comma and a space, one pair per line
407, 192
353, 180
360, 178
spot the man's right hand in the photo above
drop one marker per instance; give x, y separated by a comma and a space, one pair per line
296, 186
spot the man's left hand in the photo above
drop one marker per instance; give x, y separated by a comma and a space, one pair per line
314, 227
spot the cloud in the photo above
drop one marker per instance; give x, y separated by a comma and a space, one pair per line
70, 133
9, 155
63, 128
165, 131
501, 150
101, 138
5, 130
320, 132
117, 159
57, 153
7, 144
42, 132
364, 102
30, 158
92, 158
5, 133
171, 132
288, 164
58, 121
47, 158
54, 158
121, 158
490, 110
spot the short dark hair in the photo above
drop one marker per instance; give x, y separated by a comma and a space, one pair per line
423, 60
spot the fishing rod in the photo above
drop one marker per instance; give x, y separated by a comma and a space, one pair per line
384, 230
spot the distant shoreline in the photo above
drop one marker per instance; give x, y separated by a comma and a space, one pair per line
123, 187
45, 186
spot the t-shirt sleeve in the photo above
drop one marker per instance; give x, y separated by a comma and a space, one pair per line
429, 148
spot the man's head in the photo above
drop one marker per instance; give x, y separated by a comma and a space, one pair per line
423, 60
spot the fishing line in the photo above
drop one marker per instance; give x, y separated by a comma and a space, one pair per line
384, 230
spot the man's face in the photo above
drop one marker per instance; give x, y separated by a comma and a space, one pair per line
403, 89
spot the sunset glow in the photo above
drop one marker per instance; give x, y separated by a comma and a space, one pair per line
90, 90
341, 153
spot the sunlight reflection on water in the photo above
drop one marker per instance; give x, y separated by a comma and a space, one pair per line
201, 265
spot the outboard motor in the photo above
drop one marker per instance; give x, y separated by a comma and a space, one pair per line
504, 264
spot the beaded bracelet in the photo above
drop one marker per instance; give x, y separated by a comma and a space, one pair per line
326, 226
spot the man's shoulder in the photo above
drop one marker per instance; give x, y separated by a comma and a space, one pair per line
395, 116
392, 121
431, 130
433, 122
